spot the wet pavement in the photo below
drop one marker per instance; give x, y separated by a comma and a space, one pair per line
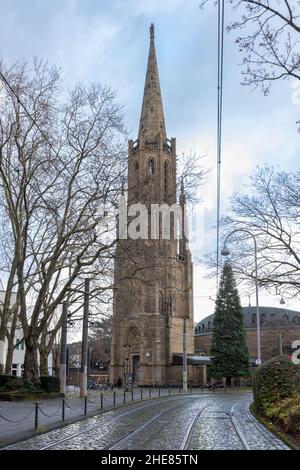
200, 421
17, 419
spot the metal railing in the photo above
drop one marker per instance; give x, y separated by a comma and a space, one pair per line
107, 401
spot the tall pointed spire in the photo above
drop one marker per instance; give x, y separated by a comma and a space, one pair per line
152, 122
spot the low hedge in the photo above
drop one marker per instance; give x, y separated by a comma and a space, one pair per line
6, 379
50, 383
275, 380
20, 385
11, 383
19, 396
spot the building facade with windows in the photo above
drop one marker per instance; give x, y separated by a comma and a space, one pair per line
19, 349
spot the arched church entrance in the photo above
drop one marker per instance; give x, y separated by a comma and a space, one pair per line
131, 354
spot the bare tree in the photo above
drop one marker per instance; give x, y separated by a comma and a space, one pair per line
269, 41
58, 166
100, 341
271, 212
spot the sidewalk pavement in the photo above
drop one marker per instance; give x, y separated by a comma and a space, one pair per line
17, 419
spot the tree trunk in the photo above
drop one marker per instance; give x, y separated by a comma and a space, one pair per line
55, 359
43, 361
9, 355
237, 381
6, 313
228, 381
2, 342
10, 345
31, 369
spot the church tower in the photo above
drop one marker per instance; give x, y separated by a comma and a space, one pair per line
153, 286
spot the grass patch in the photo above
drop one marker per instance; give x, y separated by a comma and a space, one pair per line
41, 429
291, 440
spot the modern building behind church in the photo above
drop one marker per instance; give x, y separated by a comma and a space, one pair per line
279, 328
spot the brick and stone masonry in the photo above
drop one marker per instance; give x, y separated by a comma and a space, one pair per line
153, 287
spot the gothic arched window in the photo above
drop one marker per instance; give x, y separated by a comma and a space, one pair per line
136, 167
166, 176
150, 167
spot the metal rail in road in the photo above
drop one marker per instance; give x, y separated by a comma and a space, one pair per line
91, 428
187, 437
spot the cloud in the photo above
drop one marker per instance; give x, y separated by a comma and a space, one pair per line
107, 41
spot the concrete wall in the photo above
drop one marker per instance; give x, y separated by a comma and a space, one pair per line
196, 375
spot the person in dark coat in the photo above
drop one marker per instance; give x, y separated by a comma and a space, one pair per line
119, 382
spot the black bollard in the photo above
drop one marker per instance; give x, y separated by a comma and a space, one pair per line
63, 409
36, 416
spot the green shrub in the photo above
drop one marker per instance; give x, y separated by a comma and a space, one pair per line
4, 379
12, 384
29, 386
20, 385
276, 379
50, 383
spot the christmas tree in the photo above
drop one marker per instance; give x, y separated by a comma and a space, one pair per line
229, 350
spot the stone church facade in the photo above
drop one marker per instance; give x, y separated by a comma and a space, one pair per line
153, 287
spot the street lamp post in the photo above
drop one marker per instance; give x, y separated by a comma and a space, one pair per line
63, 350
184, 359
84, 344
153, 367
184, 351
225, 252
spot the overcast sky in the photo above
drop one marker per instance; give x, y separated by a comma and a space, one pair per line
108, 40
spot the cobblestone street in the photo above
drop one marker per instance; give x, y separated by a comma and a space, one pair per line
208, 421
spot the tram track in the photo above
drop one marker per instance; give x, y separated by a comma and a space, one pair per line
123, 440
157, 424
189, 432
139, 428
272, 439
185, 443
115, 418
230, 415
237, 429
266, 435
